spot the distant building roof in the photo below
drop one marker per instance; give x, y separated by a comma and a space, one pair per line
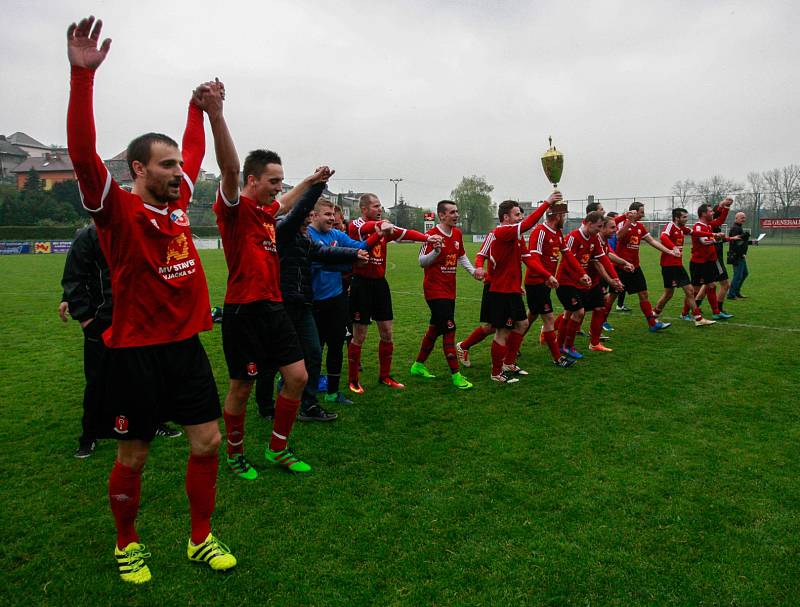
45, 164
20, 138
8, 148
123, 155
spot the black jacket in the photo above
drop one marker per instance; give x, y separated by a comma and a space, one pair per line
738, 248
86, 280
296, 251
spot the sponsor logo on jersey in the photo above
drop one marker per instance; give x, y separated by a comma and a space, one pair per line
121, 424
180, 218
178, 249
252, 369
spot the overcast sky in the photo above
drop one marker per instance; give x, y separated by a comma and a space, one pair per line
636, 95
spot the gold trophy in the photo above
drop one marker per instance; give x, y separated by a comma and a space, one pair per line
553, 164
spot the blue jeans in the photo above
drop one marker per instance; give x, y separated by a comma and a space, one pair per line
740, 272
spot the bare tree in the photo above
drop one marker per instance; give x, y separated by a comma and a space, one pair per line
785, 187
682, 191
714, 189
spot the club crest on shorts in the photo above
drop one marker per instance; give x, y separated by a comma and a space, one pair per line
356, 315
121, 424
180, 218
574, 301
451, 324
509, 322
252, 369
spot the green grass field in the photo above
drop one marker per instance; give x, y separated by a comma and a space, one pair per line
665, 473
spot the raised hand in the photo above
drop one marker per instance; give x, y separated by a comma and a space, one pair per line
82, 50
322, 174
727, 202
555, 197
209, 97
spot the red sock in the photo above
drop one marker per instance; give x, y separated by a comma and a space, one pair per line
353, 361
476, 337
572, 330
712, 300
685, 309
561, 327
385, 349
124, 491
550, 339
428, 341
285, 414
513, 342
598, 318
234, 430
449, 347
559, 322
201, 488
498, 354
698, 315
647, 310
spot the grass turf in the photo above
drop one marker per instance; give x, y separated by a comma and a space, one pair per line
665, 473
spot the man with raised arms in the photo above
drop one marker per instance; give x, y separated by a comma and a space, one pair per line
370, 298
156, 368
630, 234
439, 287
703, 265
672, 270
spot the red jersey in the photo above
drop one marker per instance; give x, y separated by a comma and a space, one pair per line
160, 290
545, 243
672, 236
483, 255
584, 248
628, 244
440, 276
362, 229
594, 273
506, 252
248, 238
703, 249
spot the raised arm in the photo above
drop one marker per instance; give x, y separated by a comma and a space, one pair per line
210, 98
724, 208
94, 180
291, 198
288, 226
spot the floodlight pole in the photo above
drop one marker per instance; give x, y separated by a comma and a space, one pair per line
395, 181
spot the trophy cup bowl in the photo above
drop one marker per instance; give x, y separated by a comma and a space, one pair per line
553, 164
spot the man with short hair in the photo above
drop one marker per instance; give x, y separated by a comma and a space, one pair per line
439, 289
672, 270
370, 298
630, 234
737, 255
703, 264
156, 368
506, 309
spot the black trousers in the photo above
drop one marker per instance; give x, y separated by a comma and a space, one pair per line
331, 316
93, 352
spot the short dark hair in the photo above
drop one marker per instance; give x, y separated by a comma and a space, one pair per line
257, 161
505, 208
678, 212
139, 149
702, 209
612, 214
592, 206
635, 206
593, 217
364, 199
440, 207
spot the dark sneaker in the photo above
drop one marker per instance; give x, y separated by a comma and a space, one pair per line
168, 431
85, 450
564, 361
315, 413
267, 411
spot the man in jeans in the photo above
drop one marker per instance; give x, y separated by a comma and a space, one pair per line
87, 299
737, 255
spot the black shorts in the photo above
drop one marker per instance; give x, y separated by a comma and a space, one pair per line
722, 272
484, 316
703, 273
634, 282
148, 385
538, 297
443, 314
504, 309
595, 297
571, 297
675, 277
258, 336
370, 300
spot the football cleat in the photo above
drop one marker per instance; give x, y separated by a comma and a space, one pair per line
420, 370
315, 413
572, 353
504, 377
515, 369
391, 382
688, 317
600, 348
460, 382
130, 562
339, 399
241, 467
623, 308
564, 361
704, 322
286, 459
722, 316
660, 326
607, 327
85, 450
213, 552
167, 431
356, 387
463, 355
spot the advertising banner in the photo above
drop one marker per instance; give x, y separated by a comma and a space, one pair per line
14, 247
772, 224
61, 246
42, 247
